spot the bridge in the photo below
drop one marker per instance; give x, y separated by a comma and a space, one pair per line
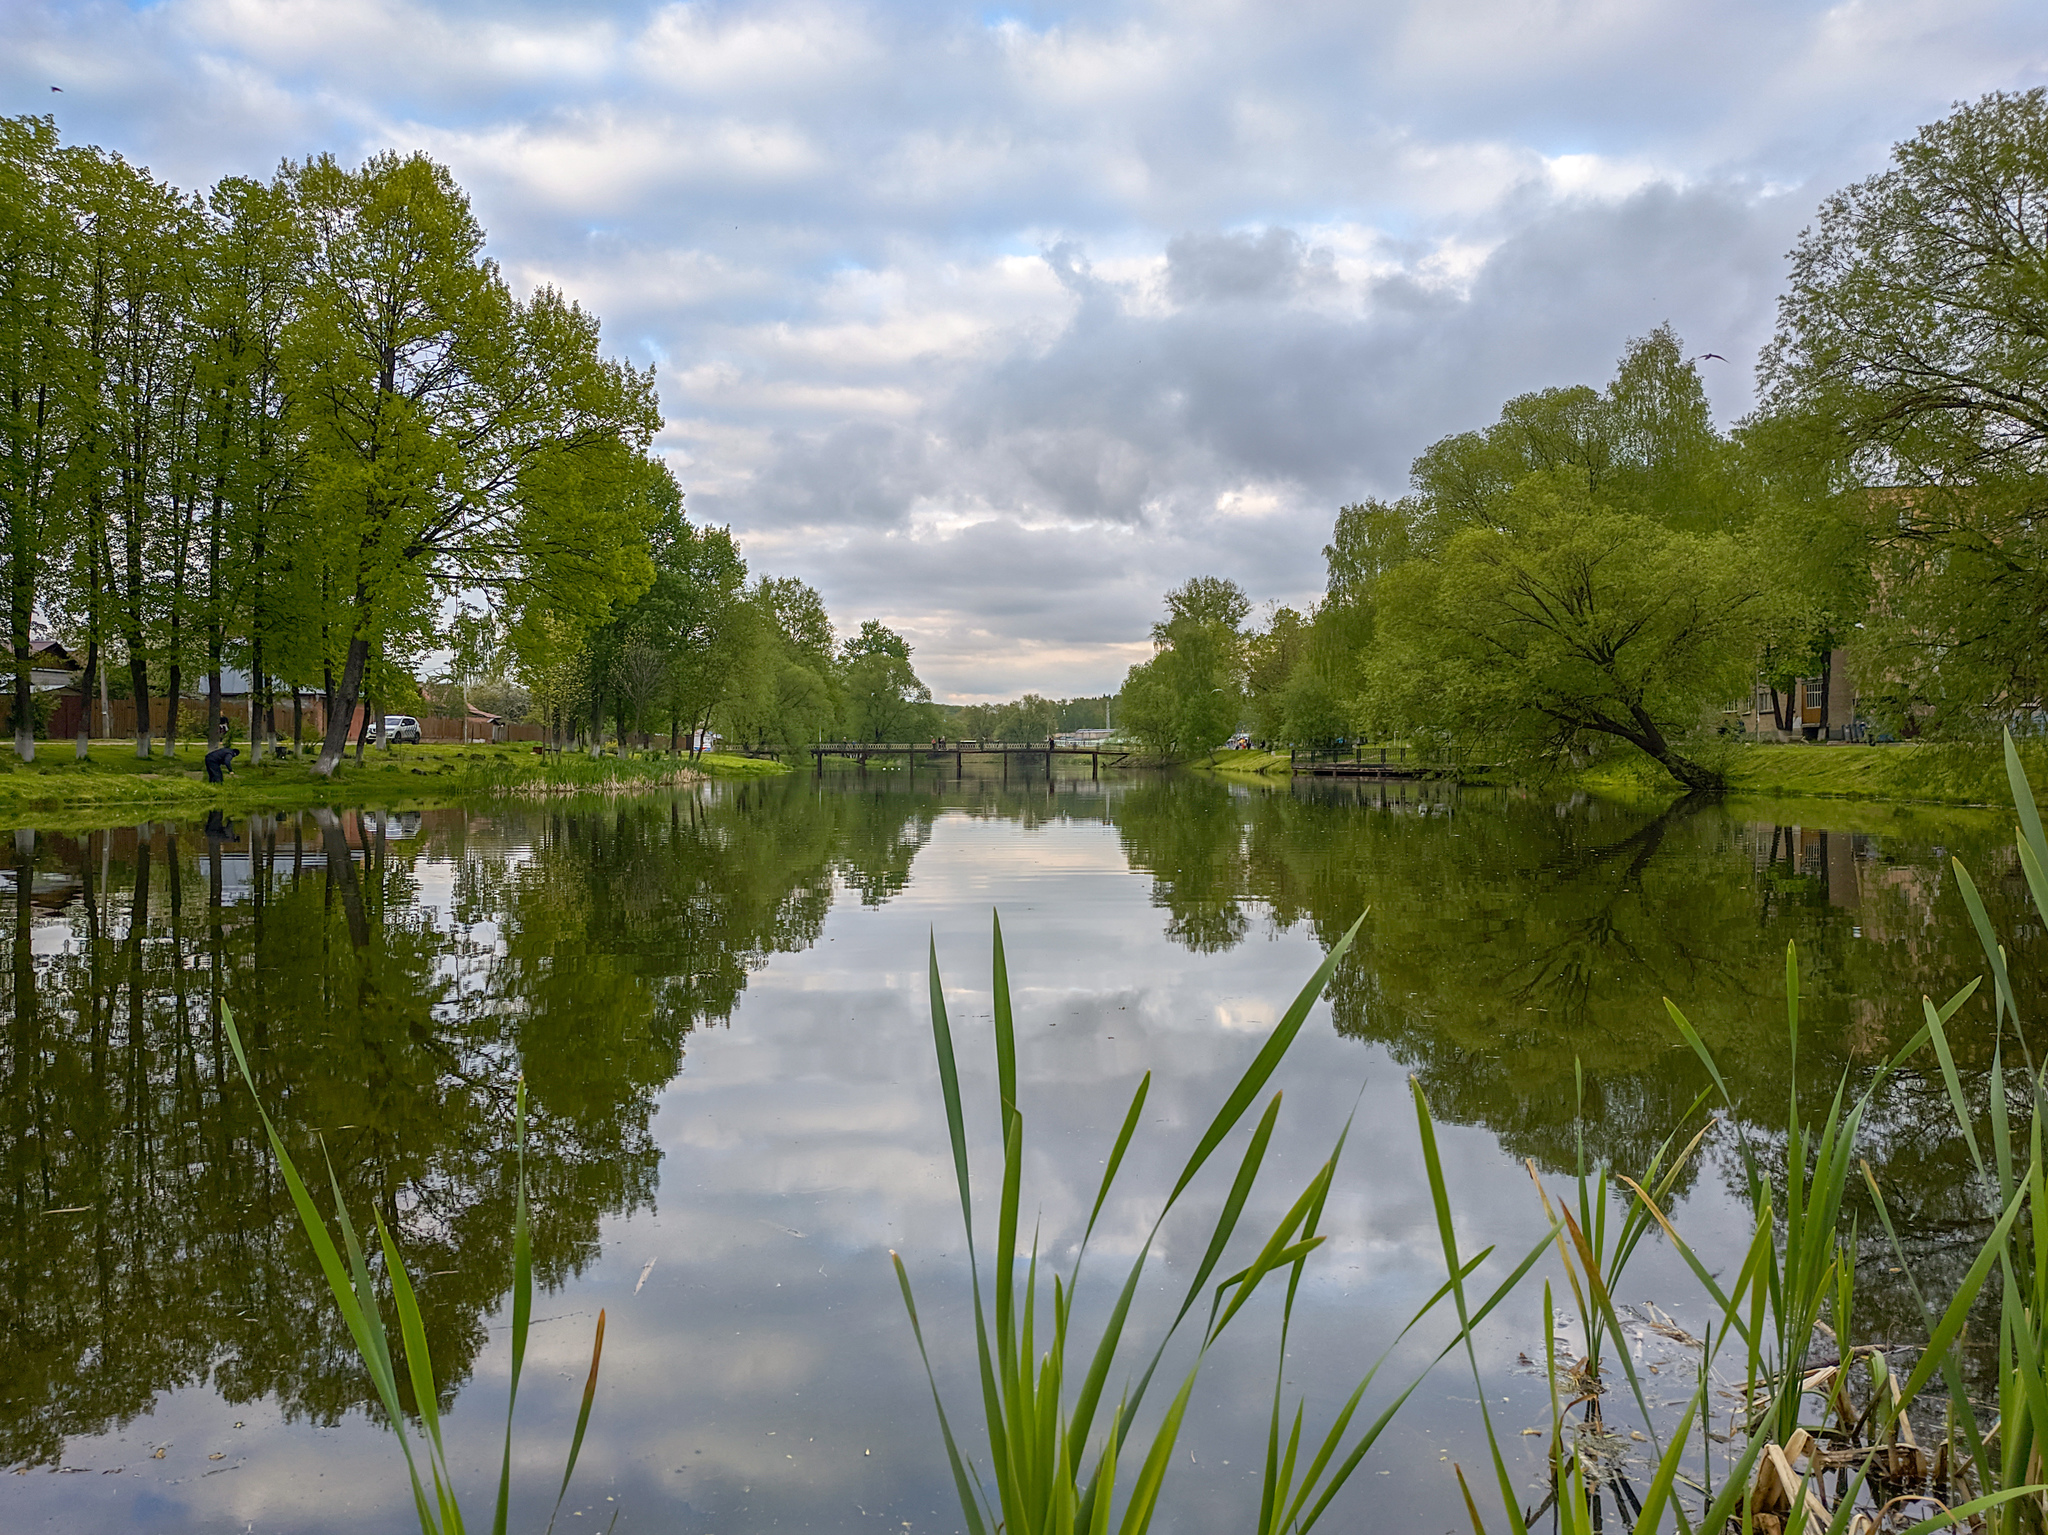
937, 752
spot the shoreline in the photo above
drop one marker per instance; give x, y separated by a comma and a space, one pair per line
1950, 776
114, 785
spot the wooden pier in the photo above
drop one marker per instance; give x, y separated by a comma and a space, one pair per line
1379, 762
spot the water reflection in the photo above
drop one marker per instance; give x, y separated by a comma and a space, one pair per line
394, 974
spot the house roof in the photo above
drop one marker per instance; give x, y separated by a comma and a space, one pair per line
47, 654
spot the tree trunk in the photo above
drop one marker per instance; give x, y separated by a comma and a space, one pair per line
215, 638
363, 740
341, 705
92, 662
298, 722
138, 679
596, 724
1648, 738
171, 712
20, 605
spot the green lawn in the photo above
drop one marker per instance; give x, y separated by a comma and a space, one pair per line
1906, 772
1253, 762
113, 781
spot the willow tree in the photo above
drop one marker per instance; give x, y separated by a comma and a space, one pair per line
1571, 619
455, 437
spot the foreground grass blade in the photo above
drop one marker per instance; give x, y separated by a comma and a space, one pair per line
522, 1305
348, 1280
366, 1330
963, 1482
582, 1419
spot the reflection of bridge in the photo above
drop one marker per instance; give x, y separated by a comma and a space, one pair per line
959, 751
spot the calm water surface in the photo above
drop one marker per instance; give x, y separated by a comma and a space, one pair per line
718, 1002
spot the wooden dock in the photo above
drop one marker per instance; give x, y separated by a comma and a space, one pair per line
1379, 762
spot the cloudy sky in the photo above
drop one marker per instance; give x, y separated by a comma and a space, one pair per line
994, 321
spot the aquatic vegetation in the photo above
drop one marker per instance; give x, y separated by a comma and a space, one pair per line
1823, 1436
1051, 1474
356, 1295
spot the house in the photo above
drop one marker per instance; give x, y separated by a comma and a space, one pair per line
51, 666
1818, 708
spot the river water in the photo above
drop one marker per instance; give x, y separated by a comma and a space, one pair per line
718, 1001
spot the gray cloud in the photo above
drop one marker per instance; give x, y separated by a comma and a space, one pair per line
999, 324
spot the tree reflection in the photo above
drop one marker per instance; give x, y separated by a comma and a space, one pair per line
147, 1242
1511, 938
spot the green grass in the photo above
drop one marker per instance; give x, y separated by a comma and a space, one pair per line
114, 782
1960, 773
1824, 1443
1257, 763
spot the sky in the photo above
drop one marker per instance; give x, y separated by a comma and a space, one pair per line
995, 322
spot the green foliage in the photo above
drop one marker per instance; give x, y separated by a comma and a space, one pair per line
356, 1297
1053, 1474
885, 700
1909, 346
1189, 698
1569, 619
1582, 570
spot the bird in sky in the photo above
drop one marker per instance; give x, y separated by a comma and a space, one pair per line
1704, 355
57, 88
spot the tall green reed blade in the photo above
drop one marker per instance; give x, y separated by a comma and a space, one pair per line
1319, 1481
1037, 1446
1447, 1233
355, 1297
582, 1420
348, 1283
522, 1305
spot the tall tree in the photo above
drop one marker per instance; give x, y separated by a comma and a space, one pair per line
1188, 698
1589, 585
885, 699
1575, 620
1915, 334
141, 243
456, 436
43, 380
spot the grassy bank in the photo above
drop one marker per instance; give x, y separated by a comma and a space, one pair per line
114, 783
1253, 763
1904, 773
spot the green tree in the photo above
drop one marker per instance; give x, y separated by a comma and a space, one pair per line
885, 700
140, 241
43, 384
1573, 621
1912, 336
792, 692
455, 435
1189, 697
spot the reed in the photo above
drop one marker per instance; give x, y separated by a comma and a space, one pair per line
356, 1296
1825, 1444
1052, 1473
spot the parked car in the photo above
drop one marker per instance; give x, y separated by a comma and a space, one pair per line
400, 727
